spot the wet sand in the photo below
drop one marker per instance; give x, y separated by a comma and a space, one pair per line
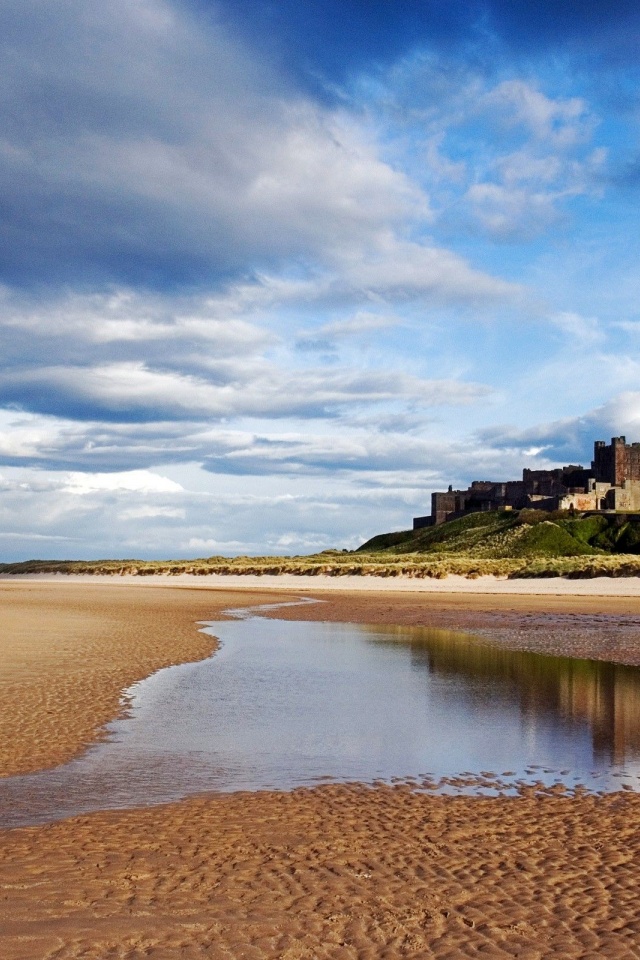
597, 627
67, 650
330, 873
344, 872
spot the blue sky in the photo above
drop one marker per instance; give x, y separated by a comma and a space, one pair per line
272, 273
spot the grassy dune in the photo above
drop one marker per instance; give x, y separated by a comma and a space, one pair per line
528, 543
525, 543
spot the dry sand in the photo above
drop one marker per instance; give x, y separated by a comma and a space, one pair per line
332, 872
310, 584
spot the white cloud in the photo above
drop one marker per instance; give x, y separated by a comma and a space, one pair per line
152, 512
524, 167
127, 523
175, 154
242, 389
377, 483
362, 322
211, 545
37, 537
140, 481
582, 332
405, 270
125, 316
506, 157
572, 437
520, 192
326, 177
143, 456
171, 150
559, 122
504, 211
441, 167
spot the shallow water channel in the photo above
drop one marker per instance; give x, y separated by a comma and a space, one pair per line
284, 703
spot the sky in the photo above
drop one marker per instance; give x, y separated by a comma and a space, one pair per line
270, 273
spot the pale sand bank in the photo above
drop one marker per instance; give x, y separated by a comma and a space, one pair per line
335, 872
543, 586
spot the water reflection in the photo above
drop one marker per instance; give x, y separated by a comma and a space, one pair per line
283, 704
606, 696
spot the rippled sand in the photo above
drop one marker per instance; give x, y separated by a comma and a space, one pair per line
335, 872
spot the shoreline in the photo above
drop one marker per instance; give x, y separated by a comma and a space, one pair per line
68, 652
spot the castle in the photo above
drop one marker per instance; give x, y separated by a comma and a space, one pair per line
612, 483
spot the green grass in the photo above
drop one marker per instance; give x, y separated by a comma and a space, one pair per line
495, 535
385, 540
520, 534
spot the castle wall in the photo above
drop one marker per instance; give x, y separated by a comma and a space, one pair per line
419, 523
578, 501
627, 497
612, 483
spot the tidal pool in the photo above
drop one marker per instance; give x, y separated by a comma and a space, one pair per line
283, 704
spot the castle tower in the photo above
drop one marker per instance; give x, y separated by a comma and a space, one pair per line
616, 462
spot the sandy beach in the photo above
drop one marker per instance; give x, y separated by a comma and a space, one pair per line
337, 871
